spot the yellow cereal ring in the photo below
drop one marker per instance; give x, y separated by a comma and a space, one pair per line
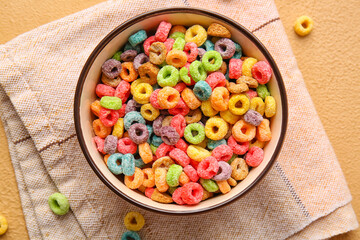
243, 131
183, 179
3, 225
149, 112
193, 116
232, 182
247, 66
223, 186
303, 25
190, 99
216, 128
160, 179
256, 143
136, 180
149, 178
270, 106
234, 102
134, 221
220, 99
163, 162
197, 153
239, 169
203, 144
257, 104
168, 97
263, 132
196, 34
207, 109
161, 197
118, 129
134, 84
229, 117
145, 152
142, 93
95, 107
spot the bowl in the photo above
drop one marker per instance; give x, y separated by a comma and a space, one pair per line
90, 75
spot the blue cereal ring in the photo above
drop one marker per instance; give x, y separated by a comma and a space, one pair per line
211, 144
129, 47
132, 118
128, 164
156, 140
137, 38
130, 235
202, 90
209, 45
139, 163
151, 131
113, 165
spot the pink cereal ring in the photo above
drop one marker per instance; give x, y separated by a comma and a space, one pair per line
153, 99
180, 86
187, 65
176, 196
122, 91
100, 142
191, 51
251, 94
104, 90
182, 145
169, 44
235, 68
163, 150
254, 157
180, 108
180, 157
147, 44
108, 117
190, 171
238, 148
216, 79
208, 167
222, 153
149, 192
162, 31
178, 122
261, 71
125, 145
192, 193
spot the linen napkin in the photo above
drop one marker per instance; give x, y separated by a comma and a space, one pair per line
304, 196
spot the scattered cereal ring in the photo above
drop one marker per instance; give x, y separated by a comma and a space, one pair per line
190, 99
138, 133
173, 174
161, 197
134, 221
140, 59
132, 118
163, 162
303, 25
254, 157
99, 142
180, 157
229, 117
128, 72
253, 117
122, 91
247, 66
128, 55
128, 164
160, 179
239, 169
130, 235
215, 80
168, 76
134, 180
182, 145
176, 196
218, 30
177, 28
191, 51
108, 117
148, 73
179, 44
207, 109
149, 178
197, 71
224, 186
193, 116
58, 203
3, 225
178, 123
104, 90
100, 129
169, 135
148, 112
191, 172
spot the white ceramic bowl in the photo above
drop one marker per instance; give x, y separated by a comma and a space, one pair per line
85, 95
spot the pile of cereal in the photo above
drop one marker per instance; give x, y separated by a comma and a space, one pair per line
183, 115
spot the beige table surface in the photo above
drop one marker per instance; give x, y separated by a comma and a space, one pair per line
327, 59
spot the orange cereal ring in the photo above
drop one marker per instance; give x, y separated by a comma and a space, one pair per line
193, 116
163, 162
95, 107
206, 194
128, 72
142, 188
149, 178
223, 186
190, 99
183, 179
136, 180
168, 97
177, 28
263, 132
243, 131
176, 58
220, 99
157, 53
145, 152
161, 197
106, 158
239, 169
148, 73
218, 30
232, 182
100, 129
160, 179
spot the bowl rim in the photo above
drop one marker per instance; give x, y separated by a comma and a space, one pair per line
144, 16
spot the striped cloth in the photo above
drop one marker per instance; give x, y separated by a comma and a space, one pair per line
304, 196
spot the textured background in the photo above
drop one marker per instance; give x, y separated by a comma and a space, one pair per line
327, 59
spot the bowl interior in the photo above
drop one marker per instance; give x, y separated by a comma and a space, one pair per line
91, 75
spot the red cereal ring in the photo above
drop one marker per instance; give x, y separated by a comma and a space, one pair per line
147, 44
208, 168
108, 117
261, 71
238, 148
216, 79
182, 145
176, 196
122, 91
254, 156
180, 157
178, 122
153, 99
235, 68
190, 171
162, 31
180, 87
192, 193
187, 65
169, 44
100, 142
104, 90
194, 163
125, 145
251, 94
163, 150
149, 192
191, 51
180, 108
222, 153
122, 110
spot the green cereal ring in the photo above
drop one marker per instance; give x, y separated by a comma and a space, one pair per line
113, 103
171, 190
184, 75
232, 158
209, 185
153, 148
197, 71
179, 44
262, 91
117, 55
163, 64
194, 133
173, 174
168, 76
208, 56
176, 35
59, 204
238, 51
130, 235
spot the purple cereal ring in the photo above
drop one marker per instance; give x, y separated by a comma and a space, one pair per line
140, 59
131, 106
110, 144
253, 117
225, 47
201, 53
138, 133
111, 68
224, 172
128, 55
157, 124
169, 135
